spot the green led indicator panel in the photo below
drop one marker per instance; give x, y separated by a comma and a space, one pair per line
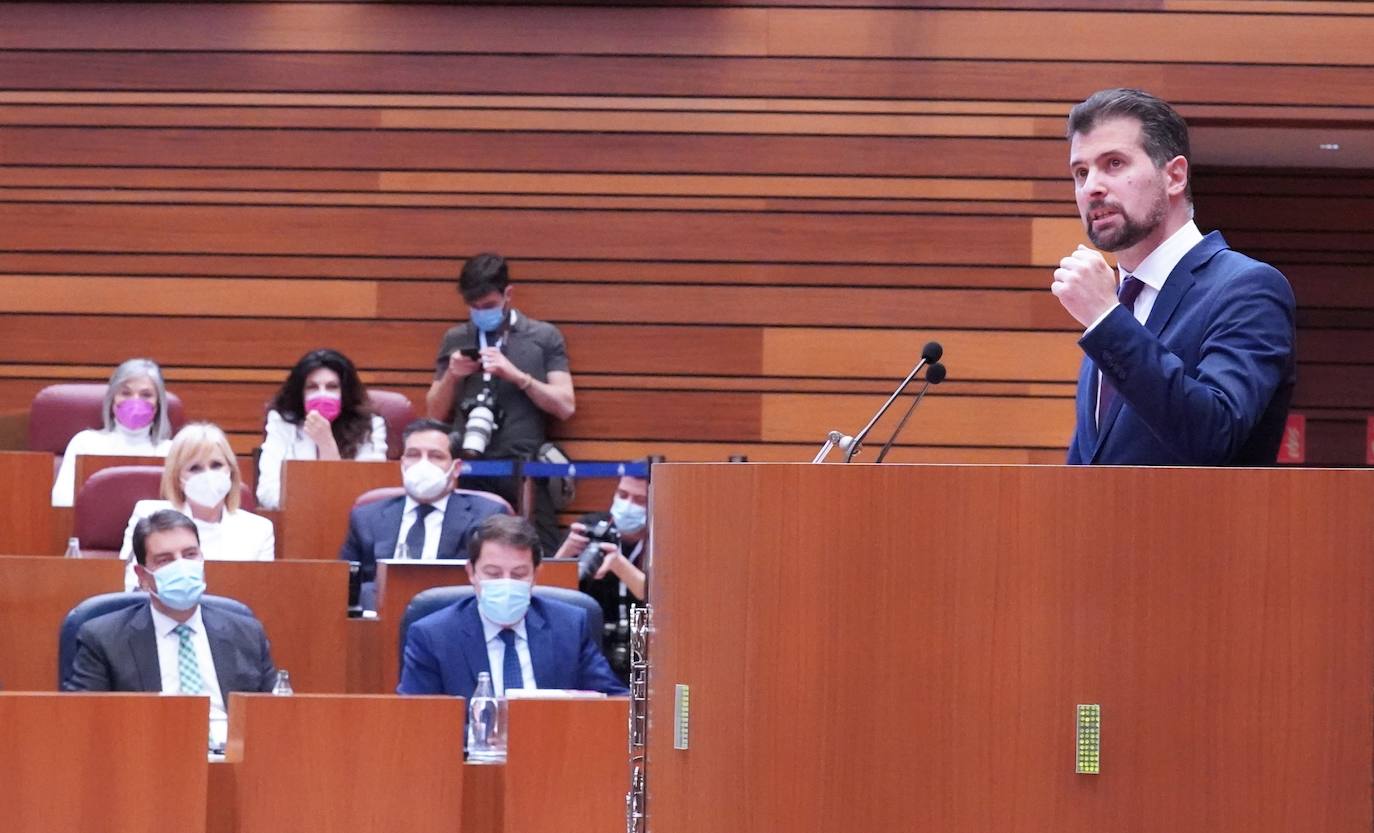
1088, 748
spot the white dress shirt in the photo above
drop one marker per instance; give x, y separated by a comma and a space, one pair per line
239, 536
496, 654
1153, 271
287, 441
116, 443
434, 527
168, 650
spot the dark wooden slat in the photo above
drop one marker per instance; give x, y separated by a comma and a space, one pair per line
582, 234
523, 270
548, 152
820, 77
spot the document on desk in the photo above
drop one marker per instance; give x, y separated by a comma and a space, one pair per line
552, 694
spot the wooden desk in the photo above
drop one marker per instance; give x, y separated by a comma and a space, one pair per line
36, 592
399, 581
75, 763
303, 607
567, 766
338, 762
567, 771
317, 496
27, 525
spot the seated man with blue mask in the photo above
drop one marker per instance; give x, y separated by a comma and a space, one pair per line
172, 644
430, 521
611, 569
523, 642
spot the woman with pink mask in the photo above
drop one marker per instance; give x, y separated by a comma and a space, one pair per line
320, 413
136, 424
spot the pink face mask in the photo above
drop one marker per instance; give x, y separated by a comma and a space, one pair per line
134, 414
325, 405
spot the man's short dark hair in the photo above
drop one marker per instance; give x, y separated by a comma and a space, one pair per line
164, 520
1163, 132
482, 275
511, 530
428, 425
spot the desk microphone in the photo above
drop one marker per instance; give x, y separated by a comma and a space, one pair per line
935, 374
930, 354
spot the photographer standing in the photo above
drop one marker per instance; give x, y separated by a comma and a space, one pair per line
611, 548
496, 377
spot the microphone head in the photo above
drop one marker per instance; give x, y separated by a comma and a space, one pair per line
932, 351
935, 373
841, 440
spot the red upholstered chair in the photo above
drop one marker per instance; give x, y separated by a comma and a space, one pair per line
388, 492
398, 412
105, 503
58, 412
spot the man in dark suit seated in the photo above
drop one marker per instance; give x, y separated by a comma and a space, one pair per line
172, 644
523, 642
429, 521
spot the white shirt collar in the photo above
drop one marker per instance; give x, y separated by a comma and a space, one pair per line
492, 631
163, 625
1154, 270
412, 503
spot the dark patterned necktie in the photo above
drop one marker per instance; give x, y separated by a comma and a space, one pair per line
511, 677
415, 537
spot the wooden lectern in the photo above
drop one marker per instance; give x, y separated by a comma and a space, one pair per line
905, 648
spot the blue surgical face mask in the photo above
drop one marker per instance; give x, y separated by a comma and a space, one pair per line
180, 583
504, 600
487, 320
629, 516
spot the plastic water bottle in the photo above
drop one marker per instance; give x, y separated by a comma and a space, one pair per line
282, 687
73, 548
486, 723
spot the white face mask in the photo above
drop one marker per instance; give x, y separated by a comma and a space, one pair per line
425, 481
629, 516
207, 488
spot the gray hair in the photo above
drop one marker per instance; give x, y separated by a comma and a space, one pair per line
161, 429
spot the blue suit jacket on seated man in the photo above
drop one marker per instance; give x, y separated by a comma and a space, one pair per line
446, 650
374, 529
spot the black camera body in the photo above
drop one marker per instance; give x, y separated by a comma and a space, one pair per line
601, 532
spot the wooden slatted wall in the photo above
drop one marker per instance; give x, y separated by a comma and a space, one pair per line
746, 218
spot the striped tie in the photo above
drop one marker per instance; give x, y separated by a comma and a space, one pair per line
188, 667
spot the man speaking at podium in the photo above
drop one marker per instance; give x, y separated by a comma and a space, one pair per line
1190, 362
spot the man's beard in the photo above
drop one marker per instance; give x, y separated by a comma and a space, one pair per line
1131, 231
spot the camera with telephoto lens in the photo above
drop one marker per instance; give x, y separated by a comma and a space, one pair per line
602, 532
481, 420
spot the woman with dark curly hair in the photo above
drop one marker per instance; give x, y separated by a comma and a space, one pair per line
320, 413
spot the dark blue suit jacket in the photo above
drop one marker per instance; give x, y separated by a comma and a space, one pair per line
446, 650
1206, 381
374, 528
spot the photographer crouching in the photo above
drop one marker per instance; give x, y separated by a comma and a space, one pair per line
497, 377
611, 548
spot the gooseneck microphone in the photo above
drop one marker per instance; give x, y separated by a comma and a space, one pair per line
930, 355
935, 374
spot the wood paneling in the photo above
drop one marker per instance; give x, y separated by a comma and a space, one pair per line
1230, 657
746, 219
